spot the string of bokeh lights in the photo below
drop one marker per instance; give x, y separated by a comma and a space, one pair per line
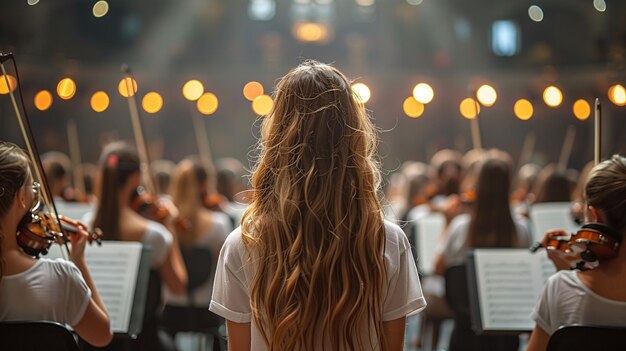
414, 106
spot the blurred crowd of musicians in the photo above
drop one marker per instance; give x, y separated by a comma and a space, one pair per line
310, 253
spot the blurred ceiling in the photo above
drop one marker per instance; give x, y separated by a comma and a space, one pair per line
392, 44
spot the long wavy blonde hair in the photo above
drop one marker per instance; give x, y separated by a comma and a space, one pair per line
315, 226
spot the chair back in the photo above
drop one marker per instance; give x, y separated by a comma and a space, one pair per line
587, 337
191, 318
457, 294
199, 264
36, 335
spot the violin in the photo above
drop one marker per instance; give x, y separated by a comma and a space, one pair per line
38, 230
214, 201
468, 197
592, 244
596, 242
148, 206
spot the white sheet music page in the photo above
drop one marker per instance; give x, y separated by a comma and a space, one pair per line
551, 215
428, 230
509, 283
74, 210
114, 267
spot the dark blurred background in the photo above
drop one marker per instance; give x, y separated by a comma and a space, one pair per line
390, 45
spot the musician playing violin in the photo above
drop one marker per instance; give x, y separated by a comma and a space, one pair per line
43, 289
597, 296
119, 179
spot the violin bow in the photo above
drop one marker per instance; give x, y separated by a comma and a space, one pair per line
202, 138
527, 149
566, 149
74, 147
142, 149
30, 141
476, 140
598, 132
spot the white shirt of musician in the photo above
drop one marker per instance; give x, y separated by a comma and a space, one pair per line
567, 300
51, 290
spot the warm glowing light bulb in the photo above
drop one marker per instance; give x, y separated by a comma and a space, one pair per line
423, 93
152, 102
487, 95
523, 109
469, 108
412, 107
125, 85
552, 96
66, 88
43, 100
362, 92
582, 109
3, 83
599, 5
192, 90
365, 3
262, 105
100, 8
535, 13
252, 89
311, 32
617, 95
207, 104
99, 101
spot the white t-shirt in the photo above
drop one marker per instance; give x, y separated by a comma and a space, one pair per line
567, 300
157, 236
453, 249
231, 292
160, 240
212, 241
51, 290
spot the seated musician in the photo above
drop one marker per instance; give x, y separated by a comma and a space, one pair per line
204, 229
43, 289
490, 223
119, 179
598, 296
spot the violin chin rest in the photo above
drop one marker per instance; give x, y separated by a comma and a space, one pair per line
588, 256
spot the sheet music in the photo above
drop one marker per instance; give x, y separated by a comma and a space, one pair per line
509, 283
427, 231
73, 210
113, 267
551, 215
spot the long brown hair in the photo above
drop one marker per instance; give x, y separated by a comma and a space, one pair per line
315, 221
491, 223
14, 165
606, 191
189, 177
117, 163
553, 186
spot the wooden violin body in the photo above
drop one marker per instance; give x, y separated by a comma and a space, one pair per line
149, 206
38, 230
592, 244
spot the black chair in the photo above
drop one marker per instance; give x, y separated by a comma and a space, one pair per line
192, 318
35, 336
587, 337
463, 337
